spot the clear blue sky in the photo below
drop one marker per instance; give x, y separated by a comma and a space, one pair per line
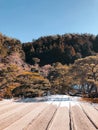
31, 19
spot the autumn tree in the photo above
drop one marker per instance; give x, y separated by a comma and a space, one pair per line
85, 73
36, 60
58, 80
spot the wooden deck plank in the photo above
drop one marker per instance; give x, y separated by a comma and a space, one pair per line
9, 107
92, 113
61, 119
79, 120
43, 120
5, 103
54, 114
18, 113
8, 113
96, 107
25, 120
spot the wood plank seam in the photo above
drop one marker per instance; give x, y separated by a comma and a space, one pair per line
70, 122
88, 117
37, 116
20, 116
48, 126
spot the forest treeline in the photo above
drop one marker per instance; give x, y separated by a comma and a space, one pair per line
61, 64
61, 48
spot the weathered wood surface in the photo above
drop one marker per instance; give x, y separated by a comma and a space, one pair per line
56, 113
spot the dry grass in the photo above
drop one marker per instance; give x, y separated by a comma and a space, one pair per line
30, 73
0, 99
26, 73
91, 100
